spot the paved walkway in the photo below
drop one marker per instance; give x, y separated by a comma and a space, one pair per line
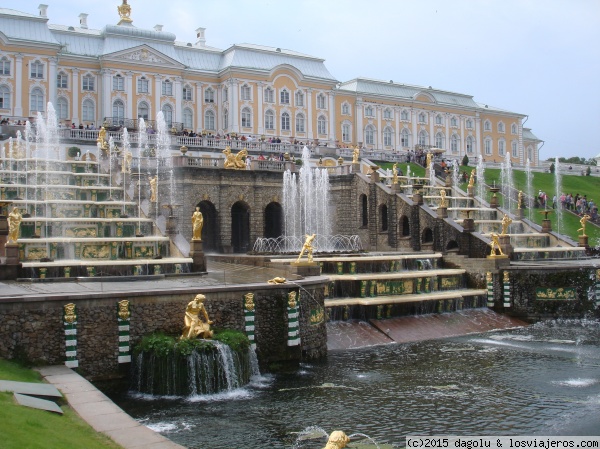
101, 413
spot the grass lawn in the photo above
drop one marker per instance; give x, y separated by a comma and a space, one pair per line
27, 428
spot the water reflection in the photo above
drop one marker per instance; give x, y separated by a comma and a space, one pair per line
540, 380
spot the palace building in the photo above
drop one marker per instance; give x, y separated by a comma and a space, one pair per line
122, 73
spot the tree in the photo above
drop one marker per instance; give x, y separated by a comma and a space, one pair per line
588, 171
465, 160
552, 168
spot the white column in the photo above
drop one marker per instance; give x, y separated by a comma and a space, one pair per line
478, 138
259, 120
178, 109
75, 96
431, 118
415, 133
309, 115
522, 155
18, 109
379, 143
130, 93
52, 66
106, 89
219, 109
397, 144
157, 94
447, 140
199, 103
234, 109
332, 130
463, 139
359, 122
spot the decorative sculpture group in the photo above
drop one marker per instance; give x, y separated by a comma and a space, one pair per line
496, 249
337, 440
194, 326
235, 161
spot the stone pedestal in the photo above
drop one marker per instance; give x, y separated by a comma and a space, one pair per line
494, 203
442, 212
395, 188
448, 180
470, 191
197, 255
427, 173
519, 214
306, 268
506, 246
583, 241
374, 177
356, 167
418, 198
499, 261
12, 268
468, 225
546, 225
12, 253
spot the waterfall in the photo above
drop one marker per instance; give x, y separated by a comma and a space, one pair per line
480, 177
529, 180
558, 188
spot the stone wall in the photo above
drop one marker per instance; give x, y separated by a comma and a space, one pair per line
33, 330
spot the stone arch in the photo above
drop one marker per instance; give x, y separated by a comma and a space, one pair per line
273, 220
210, 230
240, 227
404, 226
452, 246
427, 236
383, 217
364, 211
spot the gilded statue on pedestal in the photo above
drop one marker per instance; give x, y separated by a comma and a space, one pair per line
276, 280
337, 440
472, 178
583, 221
520, 200
506, 221
124, 12
127, 158
307, 248
495, 246
428, 160
443, 202
153, 188
14, 225
235, 161
101, 141
395, 174
355, 155
197, 224
194, 326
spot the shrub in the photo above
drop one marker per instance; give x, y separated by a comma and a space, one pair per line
73, 151
588, 171
552, 168
465, 160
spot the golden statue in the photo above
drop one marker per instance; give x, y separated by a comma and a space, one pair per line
277, 280
428, 160
506, 221
70, 316
14, 225
395, 174
249, 302
520, 200
583, 221
337, 440
153, 188
101, 141
495, 245
197, 224
194, 327
235, 161
123, 306
443, 202
292, 302
124, 12
307, 247
355, 155
127, 158
472, 177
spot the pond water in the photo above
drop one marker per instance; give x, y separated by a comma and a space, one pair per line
540, 380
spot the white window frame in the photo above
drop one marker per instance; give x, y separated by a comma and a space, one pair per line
269, 95
489, 146
299, 98
454, 143
388, 136
209, 95
5, 66
422, 118
62, 108
88, 83
36, 100
346, 132
36, 70
285, 121
514, 148
405, 138
387, 114
439, 120
187, 94
501, 147
143, 106
284, 96
88, 111
118, 109
439, 140
143, 85
370, 135
487, 125
209, 120
246, 118
470, 144
246, 93
62, 80
469, 124
167, 111
321, 124
188, 118
269, 119
118, 83
4, 97
404, 115
300, 123
321, 101
167, 88
345, 109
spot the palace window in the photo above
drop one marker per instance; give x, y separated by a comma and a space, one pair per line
143, 110
4, 66
530, 154
321, 102
439, 120
118, 82
187, 92
500, 127
36, 70
167, 111
487, 125
62, 80
515, 149
225, 94
346, 109
470, 144
62, 109
501, 147
118, 111
246, 93
209, 120
284, 97
188, 118
246, 118
423, 137
369, 111
88, 83
321, 125
88, 111
269, 95
488, 146
300, 123
346, 132
299, 98
453, 121
439, 140
387, 114
143, 85
285, 121
370, 135
167, 88
422, 118
405, 138
269, 120
469, 124
454, 143
4, 97
225, 119
513, 128
388, 135
404, 115
36, 100
209, 96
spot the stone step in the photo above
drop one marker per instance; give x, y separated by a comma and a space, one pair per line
396, 275
398, 299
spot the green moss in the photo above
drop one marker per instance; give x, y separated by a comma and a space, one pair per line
162, 345
236, 340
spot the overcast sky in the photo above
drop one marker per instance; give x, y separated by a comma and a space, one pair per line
536, 57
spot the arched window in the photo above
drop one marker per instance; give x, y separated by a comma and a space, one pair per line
405, 138
454, 143
488, 146
387, 114
284, 97
470, 144
500, 127
269, 120
439, 140
388, 136
404, 115
300, 123
62, 80
167, 88
404, 226
370, 135
62, 108
453, 121
118, 111
226, 94
88, 111
501, 147
346, 109
369, 111
118, 82
167, 111
285, 121
209, 120
321, 102
36, 100
515, 149
225, 119
487, 125
269, 95
4, 97
187, 92
422, 118
209, 95
299, 98
88, 83
346, 132
143, 85
143, 110
321, 125
364, 209
246, 93
439, 120
513, 128
246, 118
4, 66
469, 124
383, 216
188, 118
423, 137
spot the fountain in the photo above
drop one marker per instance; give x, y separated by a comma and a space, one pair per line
557, 193
77, 210
507, 182
529, 181
481, 188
